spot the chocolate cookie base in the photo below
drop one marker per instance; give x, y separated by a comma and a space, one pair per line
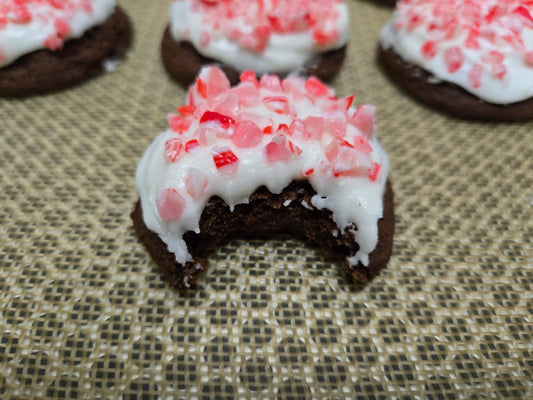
183, 62
448, 97
45, 71
266, 216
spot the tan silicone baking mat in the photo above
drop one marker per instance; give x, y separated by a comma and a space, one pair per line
84, 313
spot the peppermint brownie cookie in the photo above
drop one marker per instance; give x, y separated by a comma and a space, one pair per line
308, 36
261, 159
47, 45
472, 59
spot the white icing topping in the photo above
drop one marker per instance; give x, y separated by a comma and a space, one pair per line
484, 46
175, 184
264, 36
30, 25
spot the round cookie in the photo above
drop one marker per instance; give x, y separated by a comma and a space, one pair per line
53, 46
470, 59
262, 159
279, 37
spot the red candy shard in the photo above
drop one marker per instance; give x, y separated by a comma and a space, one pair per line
171, 204
316, 88
186, 111
267, 130
191, 145
196, 183
429, 49
223, 121
177, 123
523, 11
454, 58
278, 104
225, 160
346, 102
309, 172
172, 149
246, 134
373, 172
323, 38
336, 121
249, 76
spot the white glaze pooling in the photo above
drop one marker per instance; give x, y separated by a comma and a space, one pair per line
353, 200
22, 37
408, 38
284, 52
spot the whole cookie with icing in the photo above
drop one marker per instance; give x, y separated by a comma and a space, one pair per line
266, 36
46, 45
260, 159
470, 58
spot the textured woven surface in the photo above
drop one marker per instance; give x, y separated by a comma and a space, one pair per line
84, 313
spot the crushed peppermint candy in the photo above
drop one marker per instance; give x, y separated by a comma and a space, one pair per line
271, 117
251, 23
479, 26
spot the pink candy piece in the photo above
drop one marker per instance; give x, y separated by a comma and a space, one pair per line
173, 149
315, 126
177, 123
171, 204
277, 151
360, 143
246, 134
454, 58
346, 160
363, 119
196, 183
278, 104
316, 88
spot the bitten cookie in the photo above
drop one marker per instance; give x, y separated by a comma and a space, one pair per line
262, 159
472, 59
307, 36
49, 45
